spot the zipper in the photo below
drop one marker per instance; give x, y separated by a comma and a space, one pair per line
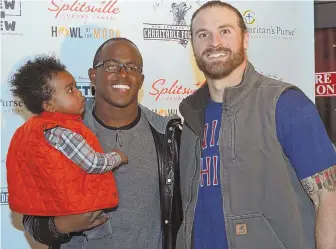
167, 139
223, 171
194, 174
233, 136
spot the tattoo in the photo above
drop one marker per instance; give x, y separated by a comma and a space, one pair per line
309, 187
324, 180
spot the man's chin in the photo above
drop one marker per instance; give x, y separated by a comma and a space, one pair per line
217, 71
216, 75
122, 104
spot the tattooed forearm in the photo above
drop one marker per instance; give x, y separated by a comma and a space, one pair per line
321, 188
325, 179
322, 181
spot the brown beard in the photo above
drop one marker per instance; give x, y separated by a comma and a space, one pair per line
220, 69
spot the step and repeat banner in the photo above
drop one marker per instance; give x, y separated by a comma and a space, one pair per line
281, 47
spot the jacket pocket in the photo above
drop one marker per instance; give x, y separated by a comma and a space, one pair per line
253, 231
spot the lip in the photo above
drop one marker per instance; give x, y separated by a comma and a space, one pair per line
83, 102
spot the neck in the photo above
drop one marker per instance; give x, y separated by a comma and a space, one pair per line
217, 86
115, 116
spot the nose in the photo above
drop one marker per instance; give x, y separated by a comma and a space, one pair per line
216, 40
122, 72
79, 93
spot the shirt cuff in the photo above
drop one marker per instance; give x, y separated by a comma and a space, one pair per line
54, 230
117, 158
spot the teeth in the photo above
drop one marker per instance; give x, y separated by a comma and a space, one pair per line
121, 87
216, 55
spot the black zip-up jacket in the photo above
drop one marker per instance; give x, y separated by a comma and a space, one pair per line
42, 229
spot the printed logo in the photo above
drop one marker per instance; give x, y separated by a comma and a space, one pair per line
325, 84
241, 229
161, 89
85, 10
264, 31
166, 112
249, 17
10, 12
177, 30
12, 106
84, 32
85, 86
4, 196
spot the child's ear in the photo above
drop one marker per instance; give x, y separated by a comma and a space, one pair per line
48, 106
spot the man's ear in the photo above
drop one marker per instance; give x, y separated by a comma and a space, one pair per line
141, 80
48, 106
246, 40
92, 76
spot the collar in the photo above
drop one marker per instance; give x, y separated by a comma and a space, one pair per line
232, 95
61, 116
126, 127
193, 107
158, 122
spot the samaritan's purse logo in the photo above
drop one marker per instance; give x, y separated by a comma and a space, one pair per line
260, 29
12, 105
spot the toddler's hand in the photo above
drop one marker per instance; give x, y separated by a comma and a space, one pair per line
124, 158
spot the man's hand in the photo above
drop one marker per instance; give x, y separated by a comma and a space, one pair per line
79, 222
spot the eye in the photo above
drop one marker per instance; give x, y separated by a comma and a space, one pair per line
112, 66
202, 35
225, 31
71, 89
132, 67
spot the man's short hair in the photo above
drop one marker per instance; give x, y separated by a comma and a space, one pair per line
99, 50
211, 4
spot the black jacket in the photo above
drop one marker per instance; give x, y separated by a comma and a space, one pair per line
167, 146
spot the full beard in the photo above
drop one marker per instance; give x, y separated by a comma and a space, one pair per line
220, 69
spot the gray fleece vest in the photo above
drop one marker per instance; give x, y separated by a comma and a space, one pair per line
265, 206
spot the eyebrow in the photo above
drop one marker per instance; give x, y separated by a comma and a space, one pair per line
219, 27
126, 63
70, 85
225, 26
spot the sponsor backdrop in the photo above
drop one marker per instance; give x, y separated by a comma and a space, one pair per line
281, 46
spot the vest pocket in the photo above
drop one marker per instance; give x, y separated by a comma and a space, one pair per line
253, 231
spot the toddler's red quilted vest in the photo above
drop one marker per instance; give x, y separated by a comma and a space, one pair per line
44, 182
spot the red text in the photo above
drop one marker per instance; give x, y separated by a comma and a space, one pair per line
76, 6
160, 89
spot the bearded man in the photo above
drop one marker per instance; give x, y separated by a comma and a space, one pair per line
257, 167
